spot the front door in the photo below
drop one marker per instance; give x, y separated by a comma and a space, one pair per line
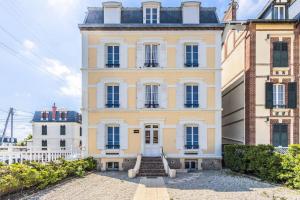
152, 140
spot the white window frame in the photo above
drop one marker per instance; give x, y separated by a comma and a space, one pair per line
279, 95
151, 15
277, 7
106, 135
185, 94
113, 97
106, 54
151, 93
185, 57
185, 135
151, 54
152, 129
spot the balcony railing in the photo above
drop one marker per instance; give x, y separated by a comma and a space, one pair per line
151, 64
112, 105
192, 146
191, 65
151, 105
191, 105
115, 65
279, 106
113, 146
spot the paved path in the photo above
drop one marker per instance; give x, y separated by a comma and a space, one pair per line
151, 189
206, 185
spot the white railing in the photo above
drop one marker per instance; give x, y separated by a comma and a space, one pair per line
171, 172
281, 150
11, 155
133, 172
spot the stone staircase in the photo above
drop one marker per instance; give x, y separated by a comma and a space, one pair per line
152, 167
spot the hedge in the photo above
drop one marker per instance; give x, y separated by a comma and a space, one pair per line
17, 177
262, 161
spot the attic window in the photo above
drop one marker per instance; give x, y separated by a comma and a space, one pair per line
279, 12
151, 14
63, 115
44, 115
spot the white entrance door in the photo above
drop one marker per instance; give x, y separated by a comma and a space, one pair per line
152, 140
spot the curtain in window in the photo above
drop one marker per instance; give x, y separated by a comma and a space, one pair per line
155, 95
154, 55
148, 95
147, 55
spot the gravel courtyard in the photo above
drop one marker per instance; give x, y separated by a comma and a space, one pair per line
203, 185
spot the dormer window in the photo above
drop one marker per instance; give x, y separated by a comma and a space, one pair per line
63, 115
279, 12
44, 115
151, 15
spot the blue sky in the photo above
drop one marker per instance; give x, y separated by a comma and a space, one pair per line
41, 54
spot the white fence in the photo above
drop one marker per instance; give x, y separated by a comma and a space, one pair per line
281, 150
10, 156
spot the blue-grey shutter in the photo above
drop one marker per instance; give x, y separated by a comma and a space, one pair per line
277, 54
284, 55
269, 95
292, 95
284, 135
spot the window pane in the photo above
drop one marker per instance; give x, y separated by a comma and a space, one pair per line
155, 137
284, 55
195, 95
148, 94
147, 137
116, 135
148, 11
155, 94
188, 94
276, 13
116, 95
195, 136
188, 136
282, 13
110, 135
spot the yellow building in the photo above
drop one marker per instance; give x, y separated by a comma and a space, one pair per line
152, 85
260, 77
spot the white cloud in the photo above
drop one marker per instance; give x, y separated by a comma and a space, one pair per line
72, 80
29, 45
63, 6
250, 8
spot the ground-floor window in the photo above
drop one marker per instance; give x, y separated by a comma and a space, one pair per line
191, 165
280, 135
112, 166
191, 137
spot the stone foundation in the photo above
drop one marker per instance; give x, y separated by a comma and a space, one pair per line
211, 164
99, 164
128, 163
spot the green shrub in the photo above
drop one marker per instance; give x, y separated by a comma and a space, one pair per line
17, 177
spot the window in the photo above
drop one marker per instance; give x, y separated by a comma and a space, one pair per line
80, 143
113, 137
191, 55
279, 12
151, 15
190, 165
191, 96
113, 56
112, 96
44, 129
280, 135
151, 98
112, 166
151, 56
80, 131
280, 54
62, 130
151, 134
62, 144
63, 116
279, 96
44, 144
44, 115
192, 137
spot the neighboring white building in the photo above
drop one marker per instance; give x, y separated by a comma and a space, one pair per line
56, 129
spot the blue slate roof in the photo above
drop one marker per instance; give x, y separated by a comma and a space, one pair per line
8, 139
134, 17
72, 116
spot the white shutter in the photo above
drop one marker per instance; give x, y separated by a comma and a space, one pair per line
163, 55
123, 95
140, 55
202, 55
100, 139
140, 95
124, 136
163, 95
179, 136
101, 56
179, 55
124, 56
202, 95
100, 95
179, 95
203, 137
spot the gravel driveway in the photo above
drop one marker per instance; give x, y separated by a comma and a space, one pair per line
191, 186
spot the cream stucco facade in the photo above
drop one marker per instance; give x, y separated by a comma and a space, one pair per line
171, 116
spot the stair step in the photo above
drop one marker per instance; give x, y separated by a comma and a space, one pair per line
152, 167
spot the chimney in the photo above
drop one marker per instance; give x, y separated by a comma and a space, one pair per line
54, 108
230, 14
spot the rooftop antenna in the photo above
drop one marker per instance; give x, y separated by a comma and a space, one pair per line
11, 116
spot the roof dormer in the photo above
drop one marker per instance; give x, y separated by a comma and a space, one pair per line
190, 12
112, 12
280, 9
151, 12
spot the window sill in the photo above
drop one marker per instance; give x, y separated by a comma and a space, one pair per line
112, 151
